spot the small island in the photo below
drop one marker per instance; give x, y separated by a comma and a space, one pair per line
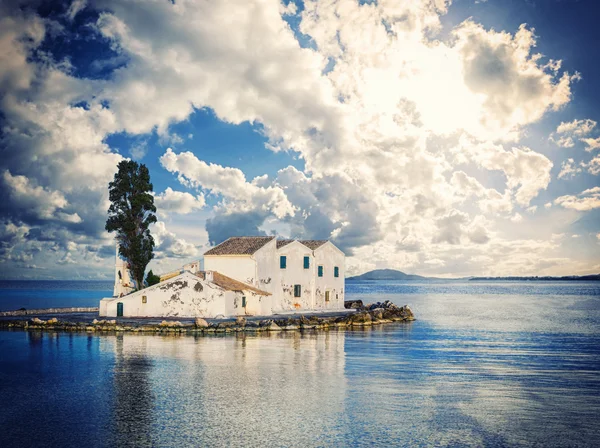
356, 315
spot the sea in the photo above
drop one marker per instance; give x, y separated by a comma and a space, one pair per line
486, 364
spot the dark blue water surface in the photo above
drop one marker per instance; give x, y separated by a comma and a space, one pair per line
15, 294
494, 364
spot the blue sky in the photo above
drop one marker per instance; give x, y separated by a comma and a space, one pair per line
424, 136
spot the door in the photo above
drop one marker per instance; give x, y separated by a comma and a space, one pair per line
119, 309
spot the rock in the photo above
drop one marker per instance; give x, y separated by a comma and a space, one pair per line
54, 320
241, 321
200, 323
251, 325
407, 313
291, 327
272, 327
95, 322
377, 313
35, 320
362, 317
112, 322
223, 325
353, 304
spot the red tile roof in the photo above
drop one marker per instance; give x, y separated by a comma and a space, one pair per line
313, 244
240, 245
231, 284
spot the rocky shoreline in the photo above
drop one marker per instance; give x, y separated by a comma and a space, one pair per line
365, 316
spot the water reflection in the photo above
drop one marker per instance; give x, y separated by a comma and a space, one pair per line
133, 399
484, 370
231, 390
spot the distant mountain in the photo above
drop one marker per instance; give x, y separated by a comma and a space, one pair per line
386, 274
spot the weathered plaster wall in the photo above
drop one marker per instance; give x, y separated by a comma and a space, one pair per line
187, 295
295, 274
184, 295
328, 256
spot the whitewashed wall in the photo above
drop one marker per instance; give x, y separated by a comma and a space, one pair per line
295, 274
329, 256
238, 267
187, 295
267, 266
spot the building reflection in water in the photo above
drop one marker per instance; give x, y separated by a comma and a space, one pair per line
229, 390
132, 399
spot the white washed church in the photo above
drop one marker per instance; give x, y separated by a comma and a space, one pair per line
242, 276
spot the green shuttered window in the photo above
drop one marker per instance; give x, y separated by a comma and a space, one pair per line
320, 271
297, 290
306, 262
336, 272
282, 262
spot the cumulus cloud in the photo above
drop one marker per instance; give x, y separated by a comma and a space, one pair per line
586, 200
178, 202
593, 166
576, 127
169, 246
395, 157
568, 169
567, 133
230, 183
591, 143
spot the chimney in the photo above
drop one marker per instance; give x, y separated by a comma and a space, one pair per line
208, 276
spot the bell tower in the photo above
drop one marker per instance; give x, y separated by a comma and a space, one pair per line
123, 283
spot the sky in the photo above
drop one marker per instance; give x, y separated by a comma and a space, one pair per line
444, 138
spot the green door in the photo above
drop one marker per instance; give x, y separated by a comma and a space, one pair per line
119, 309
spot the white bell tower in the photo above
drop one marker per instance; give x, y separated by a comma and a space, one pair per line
123, 283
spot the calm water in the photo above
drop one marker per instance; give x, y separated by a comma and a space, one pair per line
496, 364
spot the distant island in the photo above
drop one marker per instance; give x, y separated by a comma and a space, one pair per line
393, 274
387, 274
567, 278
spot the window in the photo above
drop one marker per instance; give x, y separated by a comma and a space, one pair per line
326, 296
144, 299
336, 272
243, 301
306, 262
320, 271
297, 290
282, 261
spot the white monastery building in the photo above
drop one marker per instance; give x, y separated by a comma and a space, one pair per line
242, 276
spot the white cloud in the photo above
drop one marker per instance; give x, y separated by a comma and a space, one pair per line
592, 143
229, 182
169, 246
567, 132
36, 201
178, 202
576, 127
593, 166
586, 200
568, 169
396, 157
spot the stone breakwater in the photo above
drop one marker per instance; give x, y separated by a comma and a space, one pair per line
24, 312
374, 314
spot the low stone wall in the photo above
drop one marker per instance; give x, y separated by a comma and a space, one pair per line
375, 314
24, 312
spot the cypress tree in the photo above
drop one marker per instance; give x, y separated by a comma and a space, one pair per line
130, 214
